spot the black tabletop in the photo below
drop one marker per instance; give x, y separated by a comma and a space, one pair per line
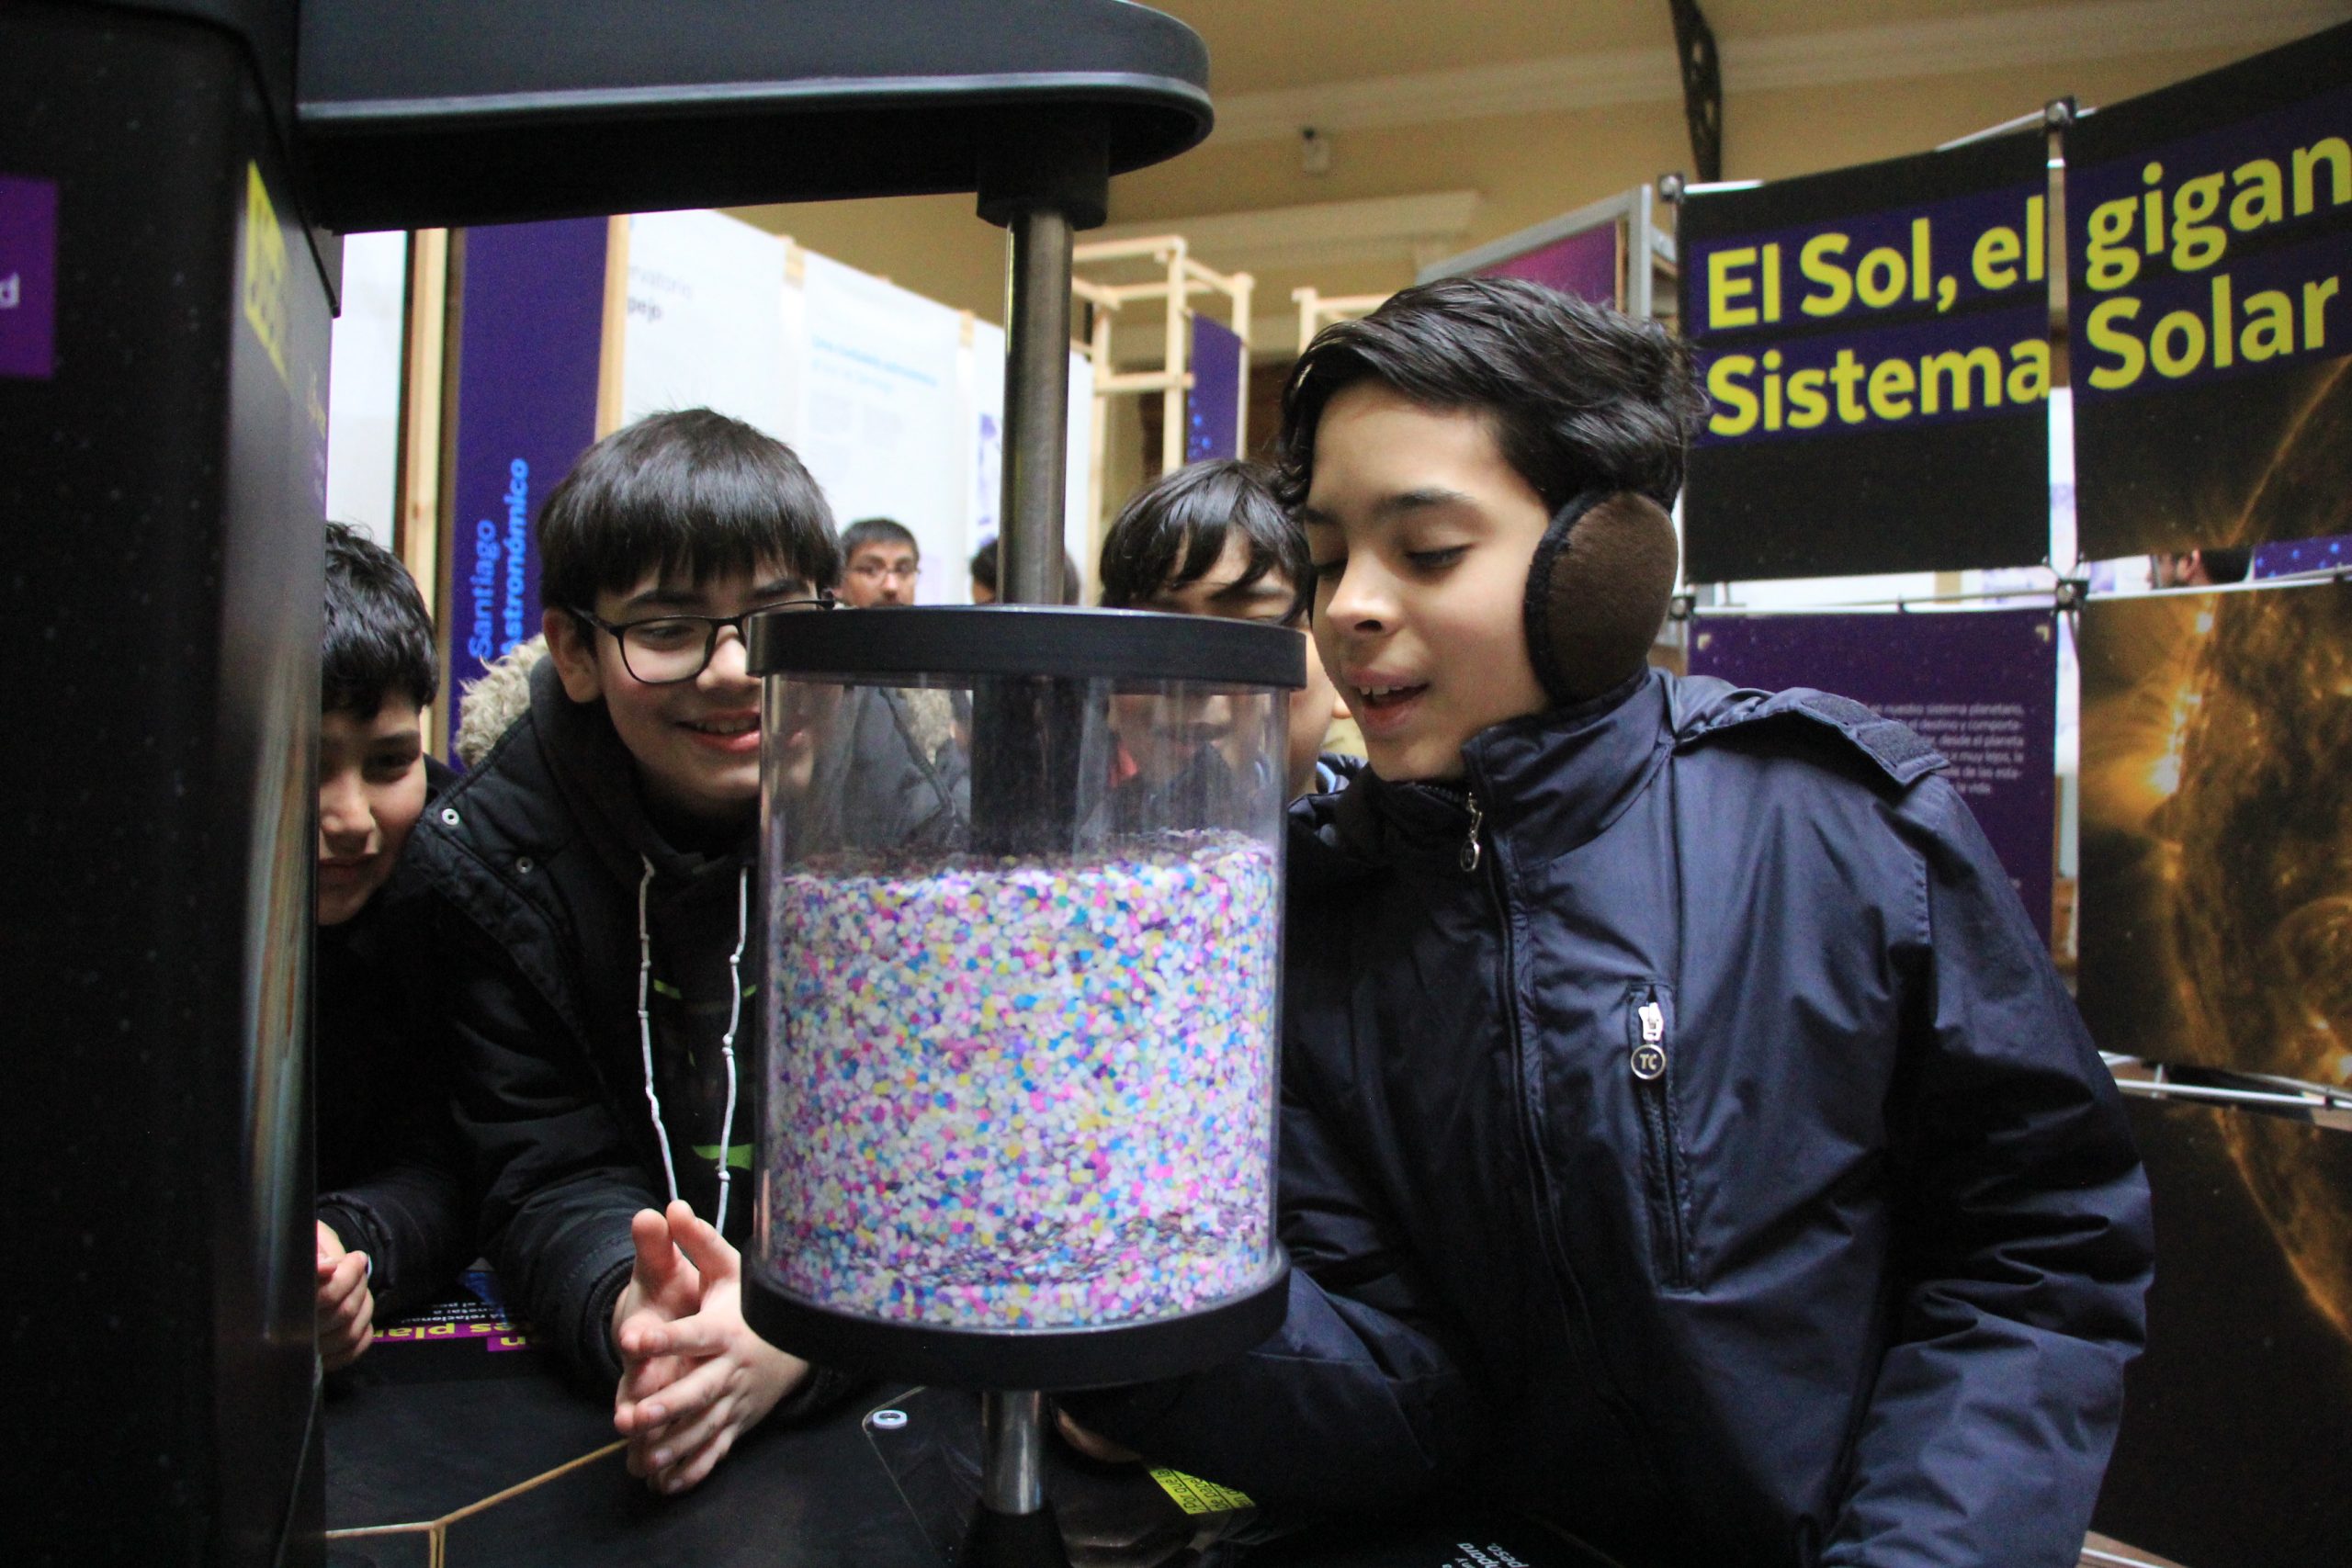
457, 1427
412, 1451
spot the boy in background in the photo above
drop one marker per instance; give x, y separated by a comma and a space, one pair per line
983, 572
395, 1217
599, 942
1210, 539
1685, 1137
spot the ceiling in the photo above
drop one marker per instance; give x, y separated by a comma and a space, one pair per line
1255, 45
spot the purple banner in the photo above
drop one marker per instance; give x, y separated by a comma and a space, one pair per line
1584, 265
1213, 408
1981, 686
529, 348
2331, 554
28, 277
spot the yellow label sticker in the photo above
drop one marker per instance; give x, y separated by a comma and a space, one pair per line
265, 294
1197, 1496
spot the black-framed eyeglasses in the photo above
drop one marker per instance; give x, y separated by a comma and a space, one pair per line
663, 650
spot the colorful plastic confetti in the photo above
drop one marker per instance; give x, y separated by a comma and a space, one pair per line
1025, 1094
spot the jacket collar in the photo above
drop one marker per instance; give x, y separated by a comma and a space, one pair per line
598, 780
1546, 783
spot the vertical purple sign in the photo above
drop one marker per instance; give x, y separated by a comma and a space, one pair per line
1213, 408
28, 277
2287, 556
1583, 264
529, 347
1981, 686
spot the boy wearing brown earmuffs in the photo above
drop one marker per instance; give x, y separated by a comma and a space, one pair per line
1685, 1138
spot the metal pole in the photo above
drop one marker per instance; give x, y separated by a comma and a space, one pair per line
1036, 408
1012, 1438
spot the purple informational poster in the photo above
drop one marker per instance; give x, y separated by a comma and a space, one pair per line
1587, 265
529, 346
28, 277
1213, 408
1981, 686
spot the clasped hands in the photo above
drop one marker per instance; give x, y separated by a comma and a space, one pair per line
694, 1376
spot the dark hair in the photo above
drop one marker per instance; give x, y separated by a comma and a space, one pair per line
692, 493
877, 531
1582, 397
983, 566
2230, 563
1176, 528
377, 640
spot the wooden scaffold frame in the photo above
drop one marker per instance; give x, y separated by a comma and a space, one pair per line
1185, 279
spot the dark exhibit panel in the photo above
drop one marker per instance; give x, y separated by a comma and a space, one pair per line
163, 471
1875, 344
2209, 223
165, 313
2238, 1418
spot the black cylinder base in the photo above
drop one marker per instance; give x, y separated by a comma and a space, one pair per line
1014, 1541
1049, 1359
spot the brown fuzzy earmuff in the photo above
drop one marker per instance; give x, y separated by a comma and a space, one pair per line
1597, 593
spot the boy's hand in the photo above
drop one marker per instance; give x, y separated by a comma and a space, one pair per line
662, 1286
727, 1378
344, 1307
1101, 1450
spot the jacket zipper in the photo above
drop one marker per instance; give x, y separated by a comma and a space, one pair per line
1648, 1061
1586, 1350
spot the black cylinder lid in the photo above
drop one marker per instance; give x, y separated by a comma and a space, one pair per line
1024, 640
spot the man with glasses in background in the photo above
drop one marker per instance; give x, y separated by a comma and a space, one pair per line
880, 563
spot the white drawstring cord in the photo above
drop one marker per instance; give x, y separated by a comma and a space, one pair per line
726, 1042
644, 1024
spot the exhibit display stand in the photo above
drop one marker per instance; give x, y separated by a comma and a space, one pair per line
1020, 1058
163, 371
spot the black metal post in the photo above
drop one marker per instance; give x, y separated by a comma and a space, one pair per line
1036, 407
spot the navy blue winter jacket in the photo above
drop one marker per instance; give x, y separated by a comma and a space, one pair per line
1685, 1138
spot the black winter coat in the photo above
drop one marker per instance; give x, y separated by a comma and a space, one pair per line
391, 1171
1685, 1138
535, 860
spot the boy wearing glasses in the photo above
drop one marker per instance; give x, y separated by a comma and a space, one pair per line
598, 931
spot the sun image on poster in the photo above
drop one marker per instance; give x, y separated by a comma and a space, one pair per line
2238, 1416
1875, 344
2217, 905
2209, 225
1981, 686
2217, 829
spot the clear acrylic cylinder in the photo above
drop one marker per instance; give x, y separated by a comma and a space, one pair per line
1023, 874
